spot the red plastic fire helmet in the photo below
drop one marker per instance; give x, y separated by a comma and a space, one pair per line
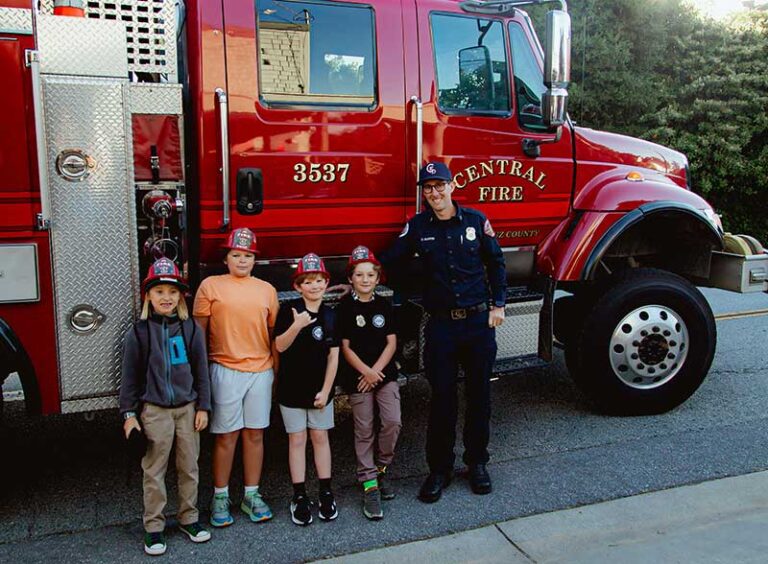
311, 264
163, 271
241, 239
361, 254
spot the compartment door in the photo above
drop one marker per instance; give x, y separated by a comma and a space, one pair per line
316, 118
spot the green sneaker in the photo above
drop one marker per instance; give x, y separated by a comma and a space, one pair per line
154, 544
256, 508
220, 515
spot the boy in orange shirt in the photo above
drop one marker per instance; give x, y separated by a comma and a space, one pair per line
238, 313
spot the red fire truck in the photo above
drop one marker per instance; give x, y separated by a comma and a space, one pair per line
146, 128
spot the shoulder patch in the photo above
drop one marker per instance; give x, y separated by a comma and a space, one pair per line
488, 229
404, 232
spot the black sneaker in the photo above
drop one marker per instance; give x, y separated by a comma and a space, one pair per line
154, 544
196, 532
301, 510
328, 511
385, 487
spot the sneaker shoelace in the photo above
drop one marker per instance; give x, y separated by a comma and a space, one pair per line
155, 538
220, 503
194, 528
256, 502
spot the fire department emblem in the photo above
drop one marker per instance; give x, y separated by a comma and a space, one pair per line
317, 333
470, 234
360, 321
311, 262
163, 267
431, 168
378, 321
243, 239
360, 253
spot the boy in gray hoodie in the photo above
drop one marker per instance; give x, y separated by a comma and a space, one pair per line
165, 384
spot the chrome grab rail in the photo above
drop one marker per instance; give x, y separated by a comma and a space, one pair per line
221, 97
419, 140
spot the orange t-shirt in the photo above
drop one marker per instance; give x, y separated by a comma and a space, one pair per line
240, 313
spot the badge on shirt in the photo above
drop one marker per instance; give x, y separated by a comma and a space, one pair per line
360, 321
378, 321
317, 333
470, 234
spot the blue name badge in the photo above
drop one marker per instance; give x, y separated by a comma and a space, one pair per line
178, 350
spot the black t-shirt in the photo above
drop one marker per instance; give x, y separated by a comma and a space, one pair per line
302, 366
366, 325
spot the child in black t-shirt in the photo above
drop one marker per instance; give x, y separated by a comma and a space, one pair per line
309, 357
368, 343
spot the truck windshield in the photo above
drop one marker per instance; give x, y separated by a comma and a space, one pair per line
316, 53
471, 65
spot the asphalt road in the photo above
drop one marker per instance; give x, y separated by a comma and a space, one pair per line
70, 493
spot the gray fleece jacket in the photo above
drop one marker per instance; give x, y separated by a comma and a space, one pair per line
165, 364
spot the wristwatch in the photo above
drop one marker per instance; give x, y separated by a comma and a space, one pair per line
128, 414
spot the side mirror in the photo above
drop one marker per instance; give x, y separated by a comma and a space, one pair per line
557, 68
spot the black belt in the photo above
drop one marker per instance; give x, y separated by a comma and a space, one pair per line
459, 313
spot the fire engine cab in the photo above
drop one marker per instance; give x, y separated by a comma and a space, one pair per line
145, 128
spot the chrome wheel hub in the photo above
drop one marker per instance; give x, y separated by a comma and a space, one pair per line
649, 346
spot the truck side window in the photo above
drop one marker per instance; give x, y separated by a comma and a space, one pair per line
528, 80
316, 54
471, 65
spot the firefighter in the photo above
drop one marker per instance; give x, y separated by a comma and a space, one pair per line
464, 294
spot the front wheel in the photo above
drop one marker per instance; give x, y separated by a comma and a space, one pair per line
646, 344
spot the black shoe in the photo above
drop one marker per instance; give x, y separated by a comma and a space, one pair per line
479, 479
433, 486
301, 510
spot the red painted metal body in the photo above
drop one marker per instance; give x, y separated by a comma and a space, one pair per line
583, 174
33, 323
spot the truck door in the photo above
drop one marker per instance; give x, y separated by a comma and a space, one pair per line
481, 85
316, 124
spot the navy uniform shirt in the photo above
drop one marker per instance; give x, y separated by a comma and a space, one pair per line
463, 263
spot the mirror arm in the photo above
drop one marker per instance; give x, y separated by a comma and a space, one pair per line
532, 147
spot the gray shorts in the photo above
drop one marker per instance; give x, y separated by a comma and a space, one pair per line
297, 419
240, 399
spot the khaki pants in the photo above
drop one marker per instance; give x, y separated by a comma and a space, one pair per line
161, 425
387, 398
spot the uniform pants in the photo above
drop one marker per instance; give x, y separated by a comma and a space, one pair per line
473, 344
161, 425
387, 397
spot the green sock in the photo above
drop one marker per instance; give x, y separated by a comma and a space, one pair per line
370, 484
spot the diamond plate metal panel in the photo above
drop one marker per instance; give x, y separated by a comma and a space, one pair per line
93, 230
150, 27
146, 98
93, 404
17, 21
78, 46
519, 334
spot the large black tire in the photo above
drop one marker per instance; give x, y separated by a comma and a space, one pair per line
645, 345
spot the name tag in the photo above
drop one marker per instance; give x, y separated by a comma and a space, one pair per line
427, 239
178, 350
